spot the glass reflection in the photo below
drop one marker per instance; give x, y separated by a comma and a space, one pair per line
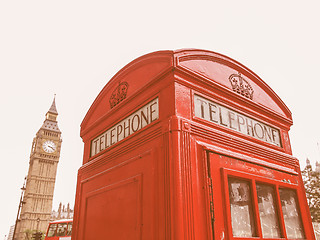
241, 208
52, 230
62, 228
291, 213
268, 215
69, 230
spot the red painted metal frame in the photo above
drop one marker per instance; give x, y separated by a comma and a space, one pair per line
276, 182
253, 179
163, 172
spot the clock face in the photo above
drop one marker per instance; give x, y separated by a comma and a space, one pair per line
49, 146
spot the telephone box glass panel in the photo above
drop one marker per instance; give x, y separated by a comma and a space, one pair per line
291, 213
242, 218
268, 211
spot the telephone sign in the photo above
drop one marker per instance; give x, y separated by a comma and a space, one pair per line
226, 117
136, 121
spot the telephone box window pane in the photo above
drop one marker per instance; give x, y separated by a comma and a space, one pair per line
291, 213
242, 219
267, 211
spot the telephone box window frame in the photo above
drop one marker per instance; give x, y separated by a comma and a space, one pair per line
226, 173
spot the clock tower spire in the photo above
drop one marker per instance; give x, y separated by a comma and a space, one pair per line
50, 123
52, 113
44, 157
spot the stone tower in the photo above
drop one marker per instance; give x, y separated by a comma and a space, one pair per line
37, 202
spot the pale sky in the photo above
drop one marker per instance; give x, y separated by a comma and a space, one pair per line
73, 48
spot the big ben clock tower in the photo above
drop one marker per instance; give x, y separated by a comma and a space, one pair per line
37, 202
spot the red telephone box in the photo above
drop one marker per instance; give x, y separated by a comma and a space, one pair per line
188, 144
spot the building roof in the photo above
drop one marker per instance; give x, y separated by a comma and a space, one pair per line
53, 108
50, 122
51, 126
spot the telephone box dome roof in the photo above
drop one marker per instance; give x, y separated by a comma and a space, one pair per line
215, 68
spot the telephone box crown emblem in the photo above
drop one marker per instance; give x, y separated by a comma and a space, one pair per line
240, 85
119, 94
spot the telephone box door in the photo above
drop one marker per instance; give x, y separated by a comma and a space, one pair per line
250, 201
